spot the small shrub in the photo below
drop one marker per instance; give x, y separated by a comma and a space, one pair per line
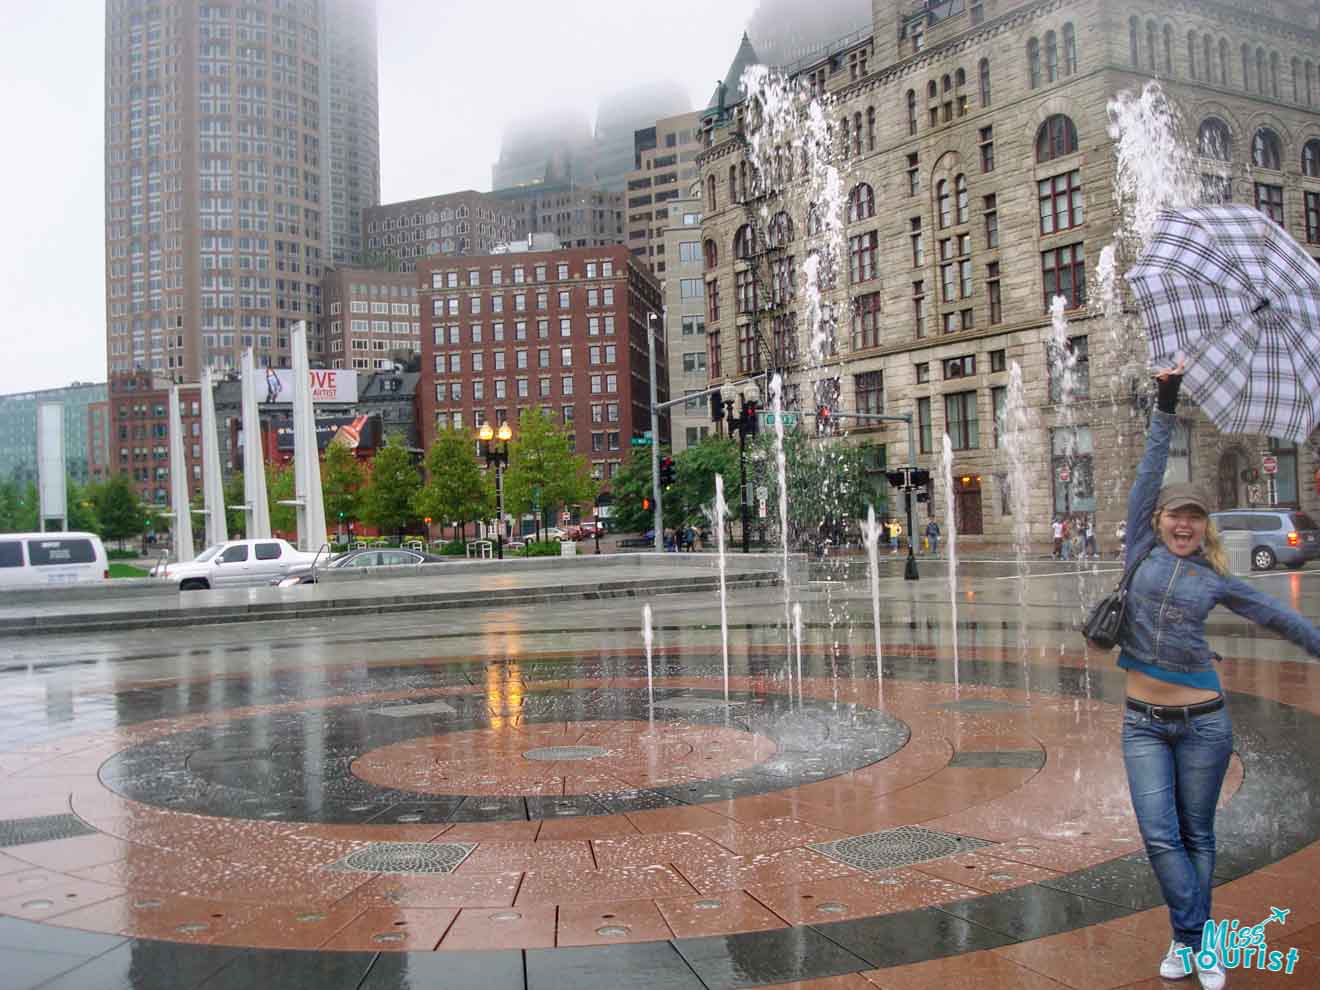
546, 548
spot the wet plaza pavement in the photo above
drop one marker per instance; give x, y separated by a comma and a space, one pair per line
496, 797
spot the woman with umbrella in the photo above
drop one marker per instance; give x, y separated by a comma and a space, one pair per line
1177, 736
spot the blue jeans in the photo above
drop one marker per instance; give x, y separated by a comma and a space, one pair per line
1175, 771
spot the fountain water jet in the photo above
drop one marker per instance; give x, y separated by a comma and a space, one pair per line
720, 510
951, 525
777, 404
647, 640
871, 538
1014, 433
797, 635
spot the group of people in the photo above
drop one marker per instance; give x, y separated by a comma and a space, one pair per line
1074, 537
684, 539
893, 531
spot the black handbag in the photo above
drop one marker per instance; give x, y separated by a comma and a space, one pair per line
1104, 625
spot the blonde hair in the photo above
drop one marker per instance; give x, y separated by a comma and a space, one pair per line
1212, 548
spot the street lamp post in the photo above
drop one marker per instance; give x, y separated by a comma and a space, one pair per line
496, 446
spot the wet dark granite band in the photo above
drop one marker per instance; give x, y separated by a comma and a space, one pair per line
1276, 742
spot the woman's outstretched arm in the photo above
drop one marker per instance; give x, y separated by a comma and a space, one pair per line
1150, 472
1253, 604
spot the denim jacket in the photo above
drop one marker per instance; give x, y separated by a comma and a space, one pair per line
1170, 596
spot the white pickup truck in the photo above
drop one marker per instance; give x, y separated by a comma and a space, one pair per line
237, 564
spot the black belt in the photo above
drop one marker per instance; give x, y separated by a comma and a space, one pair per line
1176, 713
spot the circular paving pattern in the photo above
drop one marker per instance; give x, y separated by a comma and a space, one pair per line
463, 758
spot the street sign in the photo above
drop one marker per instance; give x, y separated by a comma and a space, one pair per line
790, 420
1064, 473
641, 441
762, 493
761, 508
1269, 464
648, 434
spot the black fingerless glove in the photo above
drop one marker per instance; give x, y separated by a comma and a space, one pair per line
1166, 393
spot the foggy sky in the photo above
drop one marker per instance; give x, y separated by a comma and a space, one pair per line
451, 73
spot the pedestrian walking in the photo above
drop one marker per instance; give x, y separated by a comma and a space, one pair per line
1090, 547
933, 536
1177, 735
895, 530
1057, 533
1120, 534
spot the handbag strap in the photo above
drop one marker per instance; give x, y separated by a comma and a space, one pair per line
1130, 571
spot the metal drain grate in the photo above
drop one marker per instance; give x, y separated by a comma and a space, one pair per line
555, 753
406, 857
973, 705
410, 711
902, 846
20, 831
1029, 759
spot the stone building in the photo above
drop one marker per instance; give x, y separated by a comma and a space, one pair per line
978, 182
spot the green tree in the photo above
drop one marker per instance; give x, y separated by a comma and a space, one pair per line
541, 460
9, 507
828, 485
117, 509
388, 499
631, 485
688, 500
280, 486
235, 519
82, 508
457, 490
342, 479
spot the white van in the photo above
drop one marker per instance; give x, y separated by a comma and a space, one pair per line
51, 558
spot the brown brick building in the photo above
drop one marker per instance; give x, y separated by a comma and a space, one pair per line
371, 318
140, 437
562, 329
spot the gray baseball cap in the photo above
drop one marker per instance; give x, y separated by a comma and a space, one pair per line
1183, 495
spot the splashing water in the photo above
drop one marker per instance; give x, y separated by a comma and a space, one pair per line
1015, 433
781, 463
951, 530
1155, 170
720, 511
871, 538
797, 635
647, 642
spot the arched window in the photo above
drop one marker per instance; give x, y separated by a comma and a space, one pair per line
870, 128
1033, 62
843, 136
1208, 58
781, 230
1274, 75
710, 193
1168, 50
932, 90
1150, 45
1297, 79
733, 183
861, 203
1261, 83
1311, 159
1069, 49
1265, 150
960, 187
813, 220
946, 83
857, 133
1056, 137
744, 242
1191, 54
1223, 62
712, 251
959, 82
912, 111
944, 203
1134, 47
983, 75
1310, 83
1246, 67
742, 182
1214, 140
1051, 57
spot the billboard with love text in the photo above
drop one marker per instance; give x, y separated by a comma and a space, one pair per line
275, 385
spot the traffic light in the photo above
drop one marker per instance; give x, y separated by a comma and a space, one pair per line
646, 504
751, 422
824, 420
666, 472
921, 478
716, 407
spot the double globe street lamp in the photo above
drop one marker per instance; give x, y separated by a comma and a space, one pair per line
495, 445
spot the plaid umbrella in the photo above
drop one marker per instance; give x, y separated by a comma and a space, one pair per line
1227, 287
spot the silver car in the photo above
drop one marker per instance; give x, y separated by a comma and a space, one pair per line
236, 564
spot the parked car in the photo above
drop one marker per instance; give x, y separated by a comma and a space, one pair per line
1278, 536
554, 533
236, 564
52, 558
375, 557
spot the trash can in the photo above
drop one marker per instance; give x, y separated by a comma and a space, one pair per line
567, 548
1237, 545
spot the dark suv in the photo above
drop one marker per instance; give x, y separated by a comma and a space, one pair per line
1278, 536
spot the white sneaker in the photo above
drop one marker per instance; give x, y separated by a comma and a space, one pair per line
1172, 966
1213, 978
